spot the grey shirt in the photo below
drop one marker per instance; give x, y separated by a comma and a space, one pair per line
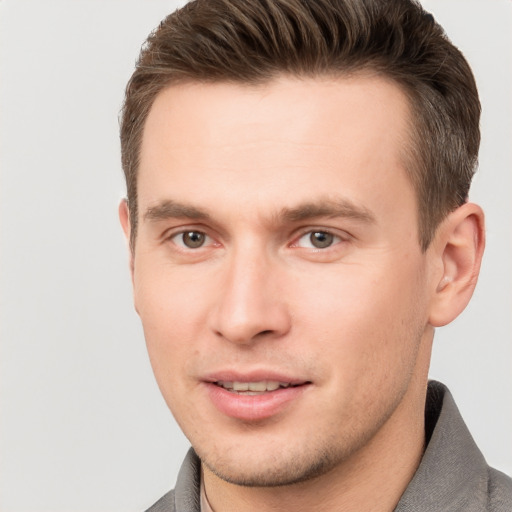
452, 476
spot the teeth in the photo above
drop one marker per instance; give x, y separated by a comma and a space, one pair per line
272, 386
258, 387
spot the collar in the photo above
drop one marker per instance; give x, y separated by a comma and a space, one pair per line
453, 474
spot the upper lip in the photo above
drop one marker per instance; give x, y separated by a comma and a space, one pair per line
253, 376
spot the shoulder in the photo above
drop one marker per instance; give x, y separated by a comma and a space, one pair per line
499, 490
164, 504
453, 474
185, 497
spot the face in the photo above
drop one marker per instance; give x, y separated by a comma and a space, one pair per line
277, 270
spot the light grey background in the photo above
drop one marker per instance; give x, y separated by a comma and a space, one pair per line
82, 423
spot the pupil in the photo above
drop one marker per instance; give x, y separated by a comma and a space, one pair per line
193, 239
321, 239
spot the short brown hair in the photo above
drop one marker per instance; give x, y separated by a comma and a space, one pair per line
253, 41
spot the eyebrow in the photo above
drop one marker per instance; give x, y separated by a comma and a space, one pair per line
173, 210
331, 208
328, 208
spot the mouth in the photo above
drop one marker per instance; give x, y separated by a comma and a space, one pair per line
256, 398
254, 388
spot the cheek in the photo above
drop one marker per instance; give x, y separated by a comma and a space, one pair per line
370, 342
368, 320
171, 308
166, 297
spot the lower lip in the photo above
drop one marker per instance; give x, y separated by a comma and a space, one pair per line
253, 407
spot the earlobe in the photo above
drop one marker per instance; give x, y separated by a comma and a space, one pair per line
459, 247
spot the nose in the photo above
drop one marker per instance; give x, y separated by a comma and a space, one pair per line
251, 305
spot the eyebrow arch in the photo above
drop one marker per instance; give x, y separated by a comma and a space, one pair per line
328, 208
173, 210
170, 209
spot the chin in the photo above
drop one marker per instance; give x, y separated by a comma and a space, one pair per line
276, 470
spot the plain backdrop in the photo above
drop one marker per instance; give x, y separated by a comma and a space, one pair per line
82, 424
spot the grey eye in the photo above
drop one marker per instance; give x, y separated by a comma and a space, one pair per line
318, 239
321, 239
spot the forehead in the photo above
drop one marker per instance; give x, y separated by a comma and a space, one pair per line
286, 138
339, 101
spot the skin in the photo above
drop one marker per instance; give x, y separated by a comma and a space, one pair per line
255, 170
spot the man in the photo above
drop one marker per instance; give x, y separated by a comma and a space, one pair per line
297, 212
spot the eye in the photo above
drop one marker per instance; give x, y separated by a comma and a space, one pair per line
318, 240
191, 239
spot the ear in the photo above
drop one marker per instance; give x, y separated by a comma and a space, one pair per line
124, 218
458, 248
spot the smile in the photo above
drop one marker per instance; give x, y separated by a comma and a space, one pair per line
252, 388
255, 400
